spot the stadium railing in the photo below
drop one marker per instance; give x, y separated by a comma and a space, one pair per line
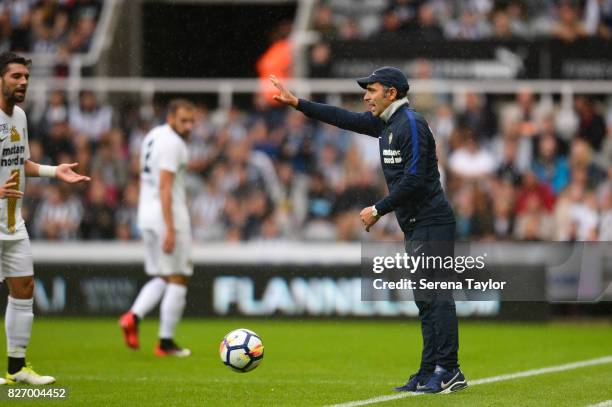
226, 89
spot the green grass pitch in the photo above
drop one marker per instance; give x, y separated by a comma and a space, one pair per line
310, 363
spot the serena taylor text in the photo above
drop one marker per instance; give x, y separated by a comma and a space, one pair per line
425, 284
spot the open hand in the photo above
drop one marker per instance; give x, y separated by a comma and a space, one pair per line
65, 173
285, 97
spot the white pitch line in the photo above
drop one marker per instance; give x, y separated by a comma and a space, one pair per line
493, 379
607, 403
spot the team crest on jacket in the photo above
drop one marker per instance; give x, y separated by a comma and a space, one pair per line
390, 137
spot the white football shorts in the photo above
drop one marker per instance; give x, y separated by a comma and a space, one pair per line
159, 263
15, 258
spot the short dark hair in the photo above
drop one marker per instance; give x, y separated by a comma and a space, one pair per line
401, 93
176, 104
7, 58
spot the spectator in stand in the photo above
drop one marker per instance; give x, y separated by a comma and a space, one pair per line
427, 27
265, 141
406, 11
547, 128
508, 169
605, 207
592, 126
59, 215
59, 139
472, 213
300, 146
359, 191
425, 102
55, 112
532, 188
549, 166
126, 217
290, 204
469, 26
568, 27
5, 31
84, 8
234, 218
534, 222
581, 160
478, 116
320, 60
270, 230
251, 169
259, 208
16, 18
98, 221
48, 26
330, 166
443, 125
323, 21
83, 153
598, 18
524, 111
326, 134
110, 168
583, 213
90, 118
276, 60
502, 194
320, 204
207, 208
471, 160
502, 28
49, 23
391, 26
348, 30
516, 10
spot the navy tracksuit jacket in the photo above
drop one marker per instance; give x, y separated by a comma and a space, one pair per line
408, 159
409, 163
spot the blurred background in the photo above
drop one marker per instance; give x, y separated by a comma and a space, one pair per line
518, 94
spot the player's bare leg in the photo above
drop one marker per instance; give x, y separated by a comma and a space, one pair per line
171, 311
18, 326
150, 295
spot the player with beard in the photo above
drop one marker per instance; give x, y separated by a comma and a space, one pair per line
163, 218
15, 255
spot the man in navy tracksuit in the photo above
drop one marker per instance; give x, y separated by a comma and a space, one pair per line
410, 166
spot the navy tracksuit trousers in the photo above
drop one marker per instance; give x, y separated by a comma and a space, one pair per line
437, 314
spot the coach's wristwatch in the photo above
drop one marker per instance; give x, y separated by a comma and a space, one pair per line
374, 211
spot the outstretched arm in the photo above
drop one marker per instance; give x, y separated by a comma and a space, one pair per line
63, 172
364, 123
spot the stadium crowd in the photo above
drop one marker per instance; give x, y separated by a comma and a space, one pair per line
468, 19
522, 169
529, 168
58, 27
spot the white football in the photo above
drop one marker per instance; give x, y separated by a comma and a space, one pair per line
241, 350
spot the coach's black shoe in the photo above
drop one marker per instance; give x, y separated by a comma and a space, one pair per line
445, 381
416, 382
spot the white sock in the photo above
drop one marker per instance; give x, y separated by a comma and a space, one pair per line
18, 324
171, 309
149, 296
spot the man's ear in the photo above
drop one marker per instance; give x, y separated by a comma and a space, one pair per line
392, 94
